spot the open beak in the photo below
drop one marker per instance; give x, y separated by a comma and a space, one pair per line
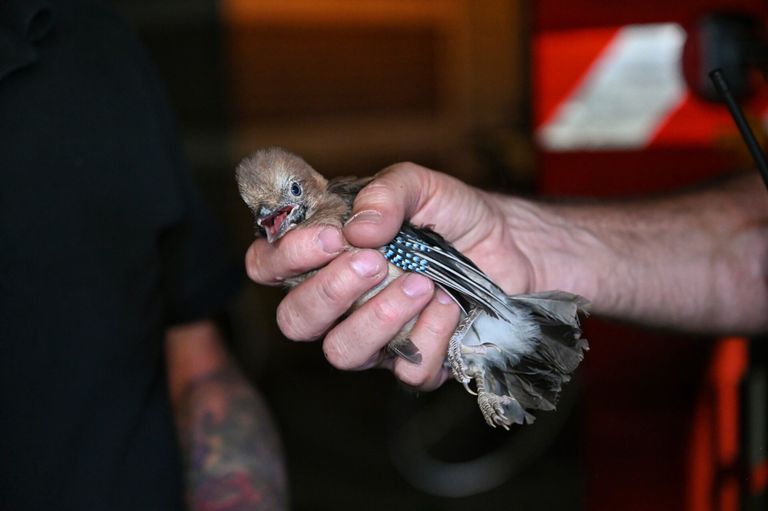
274, 222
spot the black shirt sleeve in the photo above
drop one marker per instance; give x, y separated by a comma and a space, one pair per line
199, 273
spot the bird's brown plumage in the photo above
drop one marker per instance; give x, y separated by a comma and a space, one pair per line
265, 177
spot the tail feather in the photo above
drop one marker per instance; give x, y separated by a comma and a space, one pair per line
536, 378
516, 413
530, 393
557, 306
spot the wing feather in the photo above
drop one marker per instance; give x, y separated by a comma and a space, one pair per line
424, 251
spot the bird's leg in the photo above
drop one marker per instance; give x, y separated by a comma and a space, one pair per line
455, 350
462, 360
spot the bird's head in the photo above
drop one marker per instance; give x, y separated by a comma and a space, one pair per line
281, 190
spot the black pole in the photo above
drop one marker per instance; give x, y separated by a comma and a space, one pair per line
718, 79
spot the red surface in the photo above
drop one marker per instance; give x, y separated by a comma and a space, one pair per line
758, 480
695, 123
713, 477
559, 14
626, 173
729, 364
561, 59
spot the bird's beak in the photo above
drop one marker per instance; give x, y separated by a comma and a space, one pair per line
274, 222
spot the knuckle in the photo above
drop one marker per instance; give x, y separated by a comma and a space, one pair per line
376, 193
437, 327
385, 311
438, 322
331, 290
337, 352
407, 168
401, 166
294, 257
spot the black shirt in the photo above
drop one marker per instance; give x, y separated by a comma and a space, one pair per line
103, 244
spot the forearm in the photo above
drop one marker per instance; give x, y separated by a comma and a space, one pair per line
698, 261
230, 449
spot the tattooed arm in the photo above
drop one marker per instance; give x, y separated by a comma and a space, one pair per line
230, 448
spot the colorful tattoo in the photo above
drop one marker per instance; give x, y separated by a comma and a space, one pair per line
231, 450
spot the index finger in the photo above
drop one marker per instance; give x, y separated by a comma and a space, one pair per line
299, 251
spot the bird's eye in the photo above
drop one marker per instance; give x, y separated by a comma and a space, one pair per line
295, 189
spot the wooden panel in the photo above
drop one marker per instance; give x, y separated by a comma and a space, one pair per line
356, 84
294, 71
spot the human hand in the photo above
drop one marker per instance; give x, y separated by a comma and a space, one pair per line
472, 220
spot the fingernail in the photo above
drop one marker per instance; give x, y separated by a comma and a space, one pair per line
366, 217
443, 297
366, 263
330, 240
416, 285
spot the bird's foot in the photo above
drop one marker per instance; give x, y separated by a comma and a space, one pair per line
492, 406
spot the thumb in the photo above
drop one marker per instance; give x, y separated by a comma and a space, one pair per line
382, 206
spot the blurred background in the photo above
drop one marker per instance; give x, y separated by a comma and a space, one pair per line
561, 98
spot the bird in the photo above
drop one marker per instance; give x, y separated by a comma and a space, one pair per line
513, 352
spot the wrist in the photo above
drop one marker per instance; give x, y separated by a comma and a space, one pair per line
562, 253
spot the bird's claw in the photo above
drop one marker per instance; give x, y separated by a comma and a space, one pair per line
467, 387
492, 406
